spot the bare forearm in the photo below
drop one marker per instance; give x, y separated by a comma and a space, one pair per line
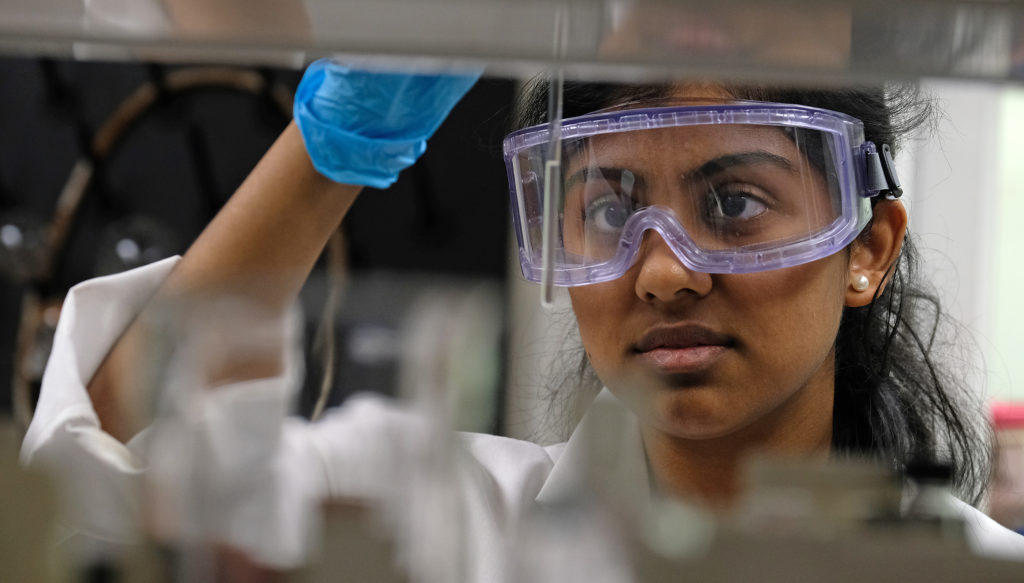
260, 249
270, 233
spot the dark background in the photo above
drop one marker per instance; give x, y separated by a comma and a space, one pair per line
174, 168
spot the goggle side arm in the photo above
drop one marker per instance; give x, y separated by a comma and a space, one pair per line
881, 172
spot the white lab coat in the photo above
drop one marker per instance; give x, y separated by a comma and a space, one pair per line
266, 503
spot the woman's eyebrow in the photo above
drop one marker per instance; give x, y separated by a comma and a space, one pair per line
722, 163
588, 172
706, 170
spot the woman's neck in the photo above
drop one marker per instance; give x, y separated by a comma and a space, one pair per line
709, 471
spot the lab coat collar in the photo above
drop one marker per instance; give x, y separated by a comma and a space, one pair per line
605, 454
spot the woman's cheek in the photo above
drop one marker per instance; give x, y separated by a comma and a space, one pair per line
601, 318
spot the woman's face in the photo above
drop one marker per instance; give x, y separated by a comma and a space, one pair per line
699, 355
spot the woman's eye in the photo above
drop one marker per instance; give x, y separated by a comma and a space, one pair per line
607, 213
735, 204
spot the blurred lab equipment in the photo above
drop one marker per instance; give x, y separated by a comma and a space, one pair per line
1006, 504
213, 448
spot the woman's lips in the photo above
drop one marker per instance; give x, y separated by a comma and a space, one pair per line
682, 360
682, 349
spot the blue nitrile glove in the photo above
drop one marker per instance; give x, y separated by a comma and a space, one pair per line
364, 127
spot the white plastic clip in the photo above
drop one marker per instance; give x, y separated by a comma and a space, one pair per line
553, 166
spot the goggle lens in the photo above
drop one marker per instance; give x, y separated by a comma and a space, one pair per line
724, 195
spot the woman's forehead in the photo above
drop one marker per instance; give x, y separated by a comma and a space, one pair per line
686, 145
696, 91
682, 93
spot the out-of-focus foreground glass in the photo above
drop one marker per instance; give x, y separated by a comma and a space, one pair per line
231, 488
210, 505
784, 39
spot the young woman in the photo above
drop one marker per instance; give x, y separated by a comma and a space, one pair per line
888, 396
737, 264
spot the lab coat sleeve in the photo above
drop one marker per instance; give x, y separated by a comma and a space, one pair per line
257, 484
987, 537
65, 436
262, 475
94, 315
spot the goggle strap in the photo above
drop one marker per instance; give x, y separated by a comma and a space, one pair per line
889, 167
881, 173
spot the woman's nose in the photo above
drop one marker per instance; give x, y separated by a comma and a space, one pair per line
662, 277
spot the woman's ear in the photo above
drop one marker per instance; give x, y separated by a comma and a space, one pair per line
874, 252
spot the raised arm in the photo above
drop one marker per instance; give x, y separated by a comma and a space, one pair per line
352, 129
265, 241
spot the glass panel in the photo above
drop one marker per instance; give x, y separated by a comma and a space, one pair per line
796, 39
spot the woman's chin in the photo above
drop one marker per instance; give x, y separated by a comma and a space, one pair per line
695, 412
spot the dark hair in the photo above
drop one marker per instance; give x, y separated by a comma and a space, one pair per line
895, 398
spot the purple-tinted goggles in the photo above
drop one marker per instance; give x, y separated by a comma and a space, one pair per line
731, 188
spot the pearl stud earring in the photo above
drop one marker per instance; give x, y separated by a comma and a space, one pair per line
861, 283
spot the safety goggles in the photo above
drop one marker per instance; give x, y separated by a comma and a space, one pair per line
739, 187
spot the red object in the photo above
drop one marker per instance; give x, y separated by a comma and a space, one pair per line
1008, 415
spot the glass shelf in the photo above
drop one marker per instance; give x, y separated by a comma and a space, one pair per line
839, 40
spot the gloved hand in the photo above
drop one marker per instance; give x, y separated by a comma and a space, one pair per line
364, 127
